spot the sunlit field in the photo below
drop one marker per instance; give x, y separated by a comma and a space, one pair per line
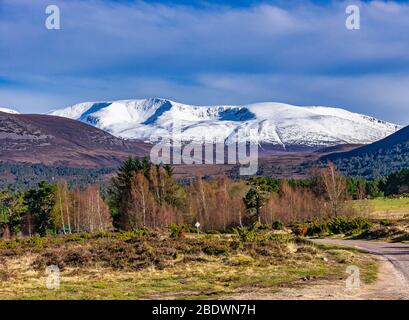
384, 208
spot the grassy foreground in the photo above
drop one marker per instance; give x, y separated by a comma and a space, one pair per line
152, 265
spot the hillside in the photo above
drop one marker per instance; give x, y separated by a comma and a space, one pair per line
60, 141
377, 159
285, 126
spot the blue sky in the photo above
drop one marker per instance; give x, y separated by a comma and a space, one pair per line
207, 52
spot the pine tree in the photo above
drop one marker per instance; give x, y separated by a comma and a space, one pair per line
40, 203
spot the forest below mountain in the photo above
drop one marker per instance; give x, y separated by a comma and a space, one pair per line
143, 195
380, 163
378, 159
25, 176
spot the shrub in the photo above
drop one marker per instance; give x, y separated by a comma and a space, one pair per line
86, 235
103, 234
191, 229
134, 233
348, 225
277, 225
245, 234
174, 230
386, 223
37, 241
300, 230
262, 226
278, 237
215, 249
339, 225
77, 257
317, 228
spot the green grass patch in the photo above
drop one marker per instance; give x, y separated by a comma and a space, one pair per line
384, 206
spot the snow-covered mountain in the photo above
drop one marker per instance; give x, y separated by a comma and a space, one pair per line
274, 123
8, 110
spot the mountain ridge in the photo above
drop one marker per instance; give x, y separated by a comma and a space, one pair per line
8, 110
280, 124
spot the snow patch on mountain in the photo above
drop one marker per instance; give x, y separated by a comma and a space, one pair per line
275, 123
8, 110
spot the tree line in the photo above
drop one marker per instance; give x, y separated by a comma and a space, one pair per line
51, 209
25, 176
146, 195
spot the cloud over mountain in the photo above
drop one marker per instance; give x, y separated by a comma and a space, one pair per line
297, 52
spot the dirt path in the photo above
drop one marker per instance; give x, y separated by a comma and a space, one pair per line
393, 278
396, 253
392, 283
